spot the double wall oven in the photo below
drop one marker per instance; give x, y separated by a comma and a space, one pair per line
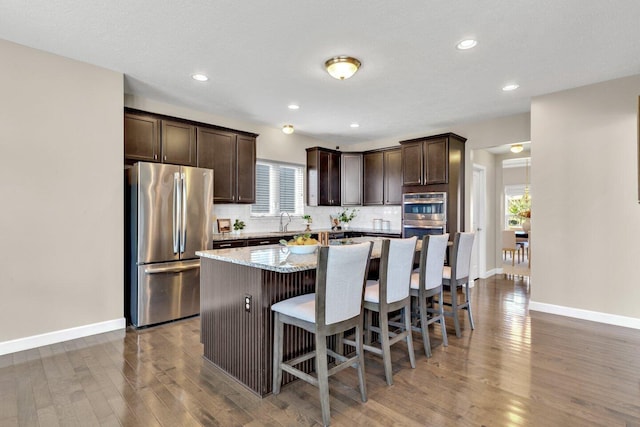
424, 213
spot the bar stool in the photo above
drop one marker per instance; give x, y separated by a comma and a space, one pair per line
388, 294
457, 275
334, 308
426, 282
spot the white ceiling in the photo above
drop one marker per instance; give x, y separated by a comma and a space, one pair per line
262, 55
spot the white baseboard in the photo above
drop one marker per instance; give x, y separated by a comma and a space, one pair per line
491, 273
54, 337
594, 316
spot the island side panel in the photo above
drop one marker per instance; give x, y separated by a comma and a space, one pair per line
241, 342
230, 335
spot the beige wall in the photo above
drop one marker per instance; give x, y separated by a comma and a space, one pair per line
585, 213
62, 195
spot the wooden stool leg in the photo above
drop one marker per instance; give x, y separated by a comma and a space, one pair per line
323, 377
278, 332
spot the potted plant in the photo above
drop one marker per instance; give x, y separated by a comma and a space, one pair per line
346, 216
307, 220
238, 225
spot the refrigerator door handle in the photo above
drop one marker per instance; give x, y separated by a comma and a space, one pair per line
185, 267
176, 212
183, 226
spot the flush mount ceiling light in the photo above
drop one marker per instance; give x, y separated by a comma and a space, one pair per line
288, 129
294, 107
354, 125
200, 77
510, 87
342, 67
516, 148
466, 44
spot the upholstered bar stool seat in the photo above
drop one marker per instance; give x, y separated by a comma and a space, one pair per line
335, 307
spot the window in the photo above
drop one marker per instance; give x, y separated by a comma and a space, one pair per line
516, 201
279, 188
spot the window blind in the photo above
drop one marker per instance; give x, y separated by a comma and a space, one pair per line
279, 188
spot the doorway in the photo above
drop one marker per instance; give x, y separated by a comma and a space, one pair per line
478, 222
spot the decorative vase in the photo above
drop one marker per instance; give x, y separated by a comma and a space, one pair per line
345, 225
526, 224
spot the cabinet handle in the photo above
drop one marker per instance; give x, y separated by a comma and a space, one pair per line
155, 157
165, 158
225, 245
239, 198
265, 242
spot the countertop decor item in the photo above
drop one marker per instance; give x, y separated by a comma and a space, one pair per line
307, 220
224, 225
346, 216
238, 225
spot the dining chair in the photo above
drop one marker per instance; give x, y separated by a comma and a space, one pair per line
456, 275
388, 294
510, 245
335, 307
426, 282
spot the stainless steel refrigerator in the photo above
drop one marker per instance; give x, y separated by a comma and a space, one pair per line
168, 218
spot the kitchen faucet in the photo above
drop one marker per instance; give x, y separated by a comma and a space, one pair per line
283, 227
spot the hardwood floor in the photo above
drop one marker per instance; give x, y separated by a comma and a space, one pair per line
515, 369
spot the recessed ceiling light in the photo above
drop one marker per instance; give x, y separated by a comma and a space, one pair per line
354, 125
510, 87
288, 129
294, 107
466, 44
200, 77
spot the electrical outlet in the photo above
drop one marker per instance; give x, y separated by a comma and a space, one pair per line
247, 303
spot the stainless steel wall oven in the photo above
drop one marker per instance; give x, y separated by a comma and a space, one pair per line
424, 213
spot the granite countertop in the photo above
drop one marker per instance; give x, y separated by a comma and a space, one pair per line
277, 257
265, 234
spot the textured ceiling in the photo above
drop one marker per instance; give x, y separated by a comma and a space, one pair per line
262, 55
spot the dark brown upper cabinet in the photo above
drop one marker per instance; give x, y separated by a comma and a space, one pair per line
141, 138
323, 177
426, 161
382, 170
373, 169
178, 143
149, 138
233, 160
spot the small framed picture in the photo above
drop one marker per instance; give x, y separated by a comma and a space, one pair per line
224, 225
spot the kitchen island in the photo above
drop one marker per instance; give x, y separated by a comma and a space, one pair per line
237, 288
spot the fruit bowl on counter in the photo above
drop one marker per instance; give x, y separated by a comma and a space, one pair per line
302, 244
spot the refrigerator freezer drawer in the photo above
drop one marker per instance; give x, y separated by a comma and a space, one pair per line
166, 291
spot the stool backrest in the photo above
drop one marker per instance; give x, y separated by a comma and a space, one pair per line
434, 249
461, 262
396, 264
340, 280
